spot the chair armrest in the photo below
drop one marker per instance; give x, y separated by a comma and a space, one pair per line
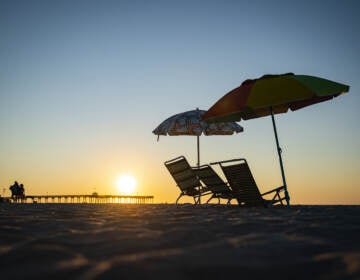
274, 190
174, 159
199, 167
227, 161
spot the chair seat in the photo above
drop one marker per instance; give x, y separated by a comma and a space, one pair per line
213, 182
242, 183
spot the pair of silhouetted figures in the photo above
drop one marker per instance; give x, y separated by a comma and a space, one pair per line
17, 191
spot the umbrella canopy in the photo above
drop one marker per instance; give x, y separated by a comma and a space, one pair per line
270, 95
191, 123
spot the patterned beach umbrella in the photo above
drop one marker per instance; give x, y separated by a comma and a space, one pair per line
191, 123
270, 95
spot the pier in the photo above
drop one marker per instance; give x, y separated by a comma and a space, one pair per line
133, 199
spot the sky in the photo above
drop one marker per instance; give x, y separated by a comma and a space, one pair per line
84, 83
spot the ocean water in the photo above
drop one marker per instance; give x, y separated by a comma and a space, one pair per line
165, 241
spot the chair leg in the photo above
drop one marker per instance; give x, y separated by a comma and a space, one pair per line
209, 199
197, 201
178, 198
278, 194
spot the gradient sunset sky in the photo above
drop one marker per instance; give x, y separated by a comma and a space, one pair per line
84, 83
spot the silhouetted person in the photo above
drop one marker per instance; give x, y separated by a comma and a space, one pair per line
14, 189
21, 191
17, 191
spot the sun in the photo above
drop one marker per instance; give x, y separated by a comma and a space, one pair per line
126, 184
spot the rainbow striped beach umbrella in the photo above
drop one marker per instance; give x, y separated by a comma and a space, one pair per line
270, 95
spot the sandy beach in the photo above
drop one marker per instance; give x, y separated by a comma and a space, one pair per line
165, 241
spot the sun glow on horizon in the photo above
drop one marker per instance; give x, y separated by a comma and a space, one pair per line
126, 184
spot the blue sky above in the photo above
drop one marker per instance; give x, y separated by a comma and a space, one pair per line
81, 78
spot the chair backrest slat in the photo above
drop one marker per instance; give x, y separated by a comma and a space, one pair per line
211, 179
182, 173
241, 181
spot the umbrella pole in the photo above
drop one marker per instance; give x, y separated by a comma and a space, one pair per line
198, 150
280, 158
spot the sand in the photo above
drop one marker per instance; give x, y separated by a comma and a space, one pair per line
165, 241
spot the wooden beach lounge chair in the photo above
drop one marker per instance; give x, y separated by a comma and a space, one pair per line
212, 181
186, 179
240, 179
